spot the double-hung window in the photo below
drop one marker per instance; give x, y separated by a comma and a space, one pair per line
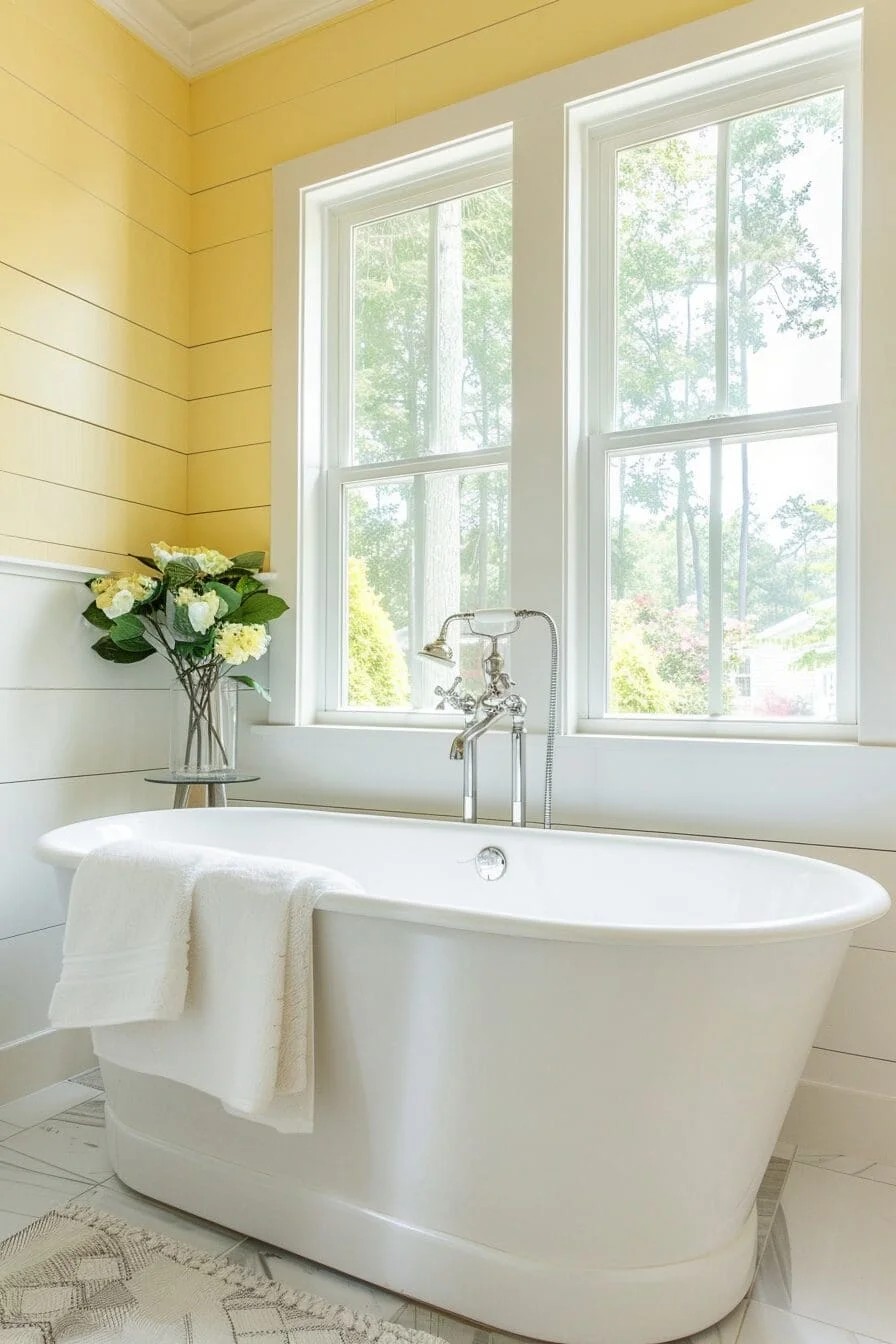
721, 406
416, 436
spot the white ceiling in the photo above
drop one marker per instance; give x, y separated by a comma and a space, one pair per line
198, 35
193, 12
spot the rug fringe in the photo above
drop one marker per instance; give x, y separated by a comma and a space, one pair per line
267, 1289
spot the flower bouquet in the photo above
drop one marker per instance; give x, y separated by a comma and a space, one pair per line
205, 613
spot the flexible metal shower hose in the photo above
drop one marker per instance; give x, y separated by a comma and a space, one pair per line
552, 713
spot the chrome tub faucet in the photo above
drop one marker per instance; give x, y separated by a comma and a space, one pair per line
498, 701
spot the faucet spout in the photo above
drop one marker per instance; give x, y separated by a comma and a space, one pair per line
475, 730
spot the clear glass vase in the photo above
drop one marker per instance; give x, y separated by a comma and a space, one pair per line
203, 728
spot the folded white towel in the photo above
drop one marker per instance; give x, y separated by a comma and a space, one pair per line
126, 939
246, 1034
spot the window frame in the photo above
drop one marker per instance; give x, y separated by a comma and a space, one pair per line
682, 782
604, 138
338, 471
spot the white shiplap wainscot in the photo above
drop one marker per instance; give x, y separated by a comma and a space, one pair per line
77, 736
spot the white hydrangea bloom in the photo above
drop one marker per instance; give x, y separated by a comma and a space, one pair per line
238, 643
203, 609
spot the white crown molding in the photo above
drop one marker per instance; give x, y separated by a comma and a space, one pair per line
157, 27
251, 26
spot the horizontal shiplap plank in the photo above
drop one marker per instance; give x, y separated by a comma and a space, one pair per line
26, 548
44, 511
53, 447
231, 420
45, 313
29, 899
113, 52
235, 210
51, 733
861, 1016
377, 35
257, 142
86, 247
52, 649
231, 366
93, 162
29, 969
232, 531
230, 290
230, 478
43, 376
40, 54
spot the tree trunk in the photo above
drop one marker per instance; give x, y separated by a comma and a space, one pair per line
441, 546
680, 506
619, 575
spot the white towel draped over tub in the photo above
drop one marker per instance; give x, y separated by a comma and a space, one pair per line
124, 958
246, 1032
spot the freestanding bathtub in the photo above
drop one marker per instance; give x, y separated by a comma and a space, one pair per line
543, 1102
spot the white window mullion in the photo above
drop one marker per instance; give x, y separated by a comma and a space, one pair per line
715, 585
723, 290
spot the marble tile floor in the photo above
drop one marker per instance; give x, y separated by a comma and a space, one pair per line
827, 1271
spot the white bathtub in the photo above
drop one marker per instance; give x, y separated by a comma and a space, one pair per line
544, 1103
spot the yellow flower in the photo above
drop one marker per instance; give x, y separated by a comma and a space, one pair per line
117, 594
209, 561
238, 643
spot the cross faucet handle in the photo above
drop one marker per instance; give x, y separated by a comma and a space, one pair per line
449, 695
463, 704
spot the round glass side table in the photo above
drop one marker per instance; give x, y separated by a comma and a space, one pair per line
214, 784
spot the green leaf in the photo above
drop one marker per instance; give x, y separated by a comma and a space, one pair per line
248, 560
179, 619
245, 584
226, 594
106, 648
258, 609
146, 560
126, 628
180, 573
255, 686
97, 617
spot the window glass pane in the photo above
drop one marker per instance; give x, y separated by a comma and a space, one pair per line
418, 549
391, 283
666, 280
785, 247
659, 544
431, 321
487, 244
779, 506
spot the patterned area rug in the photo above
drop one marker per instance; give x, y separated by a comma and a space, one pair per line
80, 1274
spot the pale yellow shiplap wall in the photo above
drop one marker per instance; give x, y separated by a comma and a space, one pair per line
94, 286
388, 61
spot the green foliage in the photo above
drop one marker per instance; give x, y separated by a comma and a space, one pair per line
257, 609
253, 685
113, 653
636, 686
97, 617
229, 596
377, 673
158, 623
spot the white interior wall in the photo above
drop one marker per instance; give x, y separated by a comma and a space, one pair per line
76, 735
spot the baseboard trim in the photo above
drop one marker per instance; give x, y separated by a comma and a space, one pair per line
37, 1061
831, 1119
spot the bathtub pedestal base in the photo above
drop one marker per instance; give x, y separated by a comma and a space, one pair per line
569, 1304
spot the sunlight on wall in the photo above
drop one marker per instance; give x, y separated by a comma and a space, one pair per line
379, 65
94, 232
113, 430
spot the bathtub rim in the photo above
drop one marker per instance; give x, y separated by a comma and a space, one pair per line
64, 847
